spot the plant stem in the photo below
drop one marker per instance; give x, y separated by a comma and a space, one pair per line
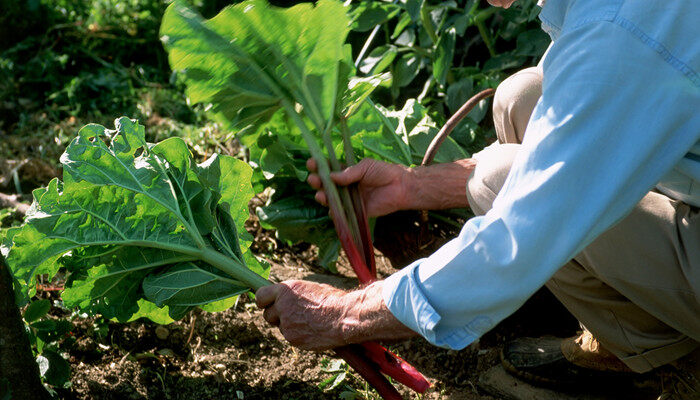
324, 172
238, 272
364, 234
486, 36
354, 356
347, 142
345, 197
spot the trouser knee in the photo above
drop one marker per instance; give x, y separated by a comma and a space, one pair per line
492, 166
513, 102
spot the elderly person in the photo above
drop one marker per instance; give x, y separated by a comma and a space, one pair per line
593, 190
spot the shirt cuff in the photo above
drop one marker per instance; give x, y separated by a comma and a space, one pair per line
404, 297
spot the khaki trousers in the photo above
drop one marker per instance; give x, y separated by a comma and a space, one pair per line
636, 287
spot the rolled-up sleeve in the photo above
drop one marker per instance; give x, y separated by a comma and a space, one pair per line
614, 117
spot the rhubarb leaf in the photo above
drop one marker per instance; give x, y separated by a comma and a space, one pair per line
403, 136
133, 221
251, 56
300, 219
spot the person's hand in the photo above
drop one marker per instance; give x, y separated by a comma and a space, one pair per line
382, 185
314, 316
309, 315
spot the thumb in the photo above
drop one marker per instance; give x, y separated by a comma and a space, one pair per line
349, 175
266, 295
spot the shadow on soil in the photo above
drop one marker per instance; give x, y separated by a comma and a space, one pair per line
178, 387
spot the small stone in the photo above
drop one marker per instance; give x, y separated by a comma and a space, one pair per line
166, 352
162, 332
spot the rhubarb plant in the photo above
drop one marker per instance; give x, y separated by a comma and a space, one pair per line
252, 61
136, 224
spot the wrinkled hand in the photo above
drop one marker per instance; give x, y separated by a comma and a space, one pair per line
382, 185
309, 315
314, 316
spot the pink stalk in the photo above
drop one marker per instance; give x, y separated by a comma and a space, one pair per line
396, 367
354, 356
365, 233
358, 264
388, 362
366, 363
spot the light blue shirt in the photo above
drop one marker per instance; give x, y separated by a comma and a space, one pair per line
619, 114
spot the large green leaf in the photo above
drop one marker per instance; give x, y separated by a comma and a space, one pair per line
128, 214
404, 136
187, 285
110, 283
368, 14
444, 53
251, 57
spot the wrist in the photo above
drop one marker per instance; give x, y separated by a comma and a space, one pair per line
439, 186
411, 185
368, 318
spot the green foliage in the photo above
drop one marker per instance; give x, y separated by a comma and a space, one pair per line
66, 54
45, 334
36, 310
72, 61
401, 136
134, 221
80, 50
227, 60
53, 368
428, 41
297, 218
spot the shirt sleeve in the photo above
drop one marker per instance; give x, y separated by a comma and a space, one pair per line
614, 117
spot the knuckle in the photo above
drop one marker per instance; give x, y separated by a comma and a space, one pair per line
293, 285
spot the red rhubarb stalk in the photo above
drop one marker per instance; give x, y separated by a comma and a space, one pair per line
365, 233
389, 363
354, 257
367, 363
354, 356
358, 206
396, 367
